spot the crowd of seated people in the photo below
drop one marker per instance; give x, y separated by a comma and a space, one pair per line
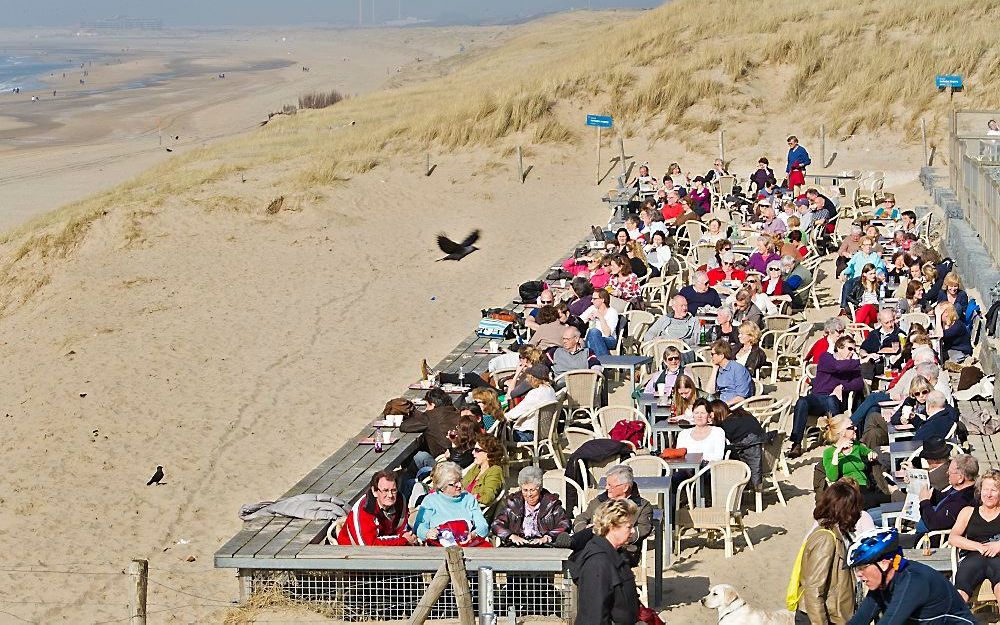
878, 370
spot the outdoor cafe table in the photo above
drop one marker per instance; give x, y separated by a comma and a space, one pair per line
829, 180
900, 451
627, 363
938, 559
663, 530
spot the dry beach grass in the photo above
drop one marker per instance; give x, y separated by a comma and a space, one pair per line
239, 345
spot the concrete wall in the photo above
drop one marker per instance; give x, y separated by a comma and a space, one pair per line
960, 242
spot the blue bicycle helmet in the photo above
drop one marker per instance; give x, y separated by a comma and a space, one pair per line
874, 546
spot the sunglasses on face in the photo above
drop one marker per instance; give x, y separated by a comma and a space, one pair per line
477, 449
774, 269
673, 358
921, 393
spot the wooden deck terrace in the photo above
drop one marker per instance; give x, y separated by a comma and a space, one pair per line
286, 544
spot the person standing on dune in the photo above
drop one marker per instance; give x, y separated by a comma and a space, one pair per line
798, 160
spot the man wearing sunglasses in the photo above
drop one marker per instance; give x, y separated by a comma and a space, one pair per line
837, 374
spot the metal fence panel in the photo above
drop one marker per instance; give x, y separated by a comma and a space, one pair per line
393, 595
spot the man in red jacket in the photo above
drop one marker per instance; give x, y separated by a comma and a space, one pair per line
379, 518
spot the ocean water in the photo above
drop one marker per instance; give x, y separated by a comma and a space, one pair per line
24, 70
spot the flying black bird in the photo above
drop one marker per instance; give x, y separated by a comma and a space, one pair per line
156, 476
458, 251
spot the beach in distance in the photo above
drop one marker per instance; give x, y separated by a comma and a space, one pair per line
183, 286
142, 94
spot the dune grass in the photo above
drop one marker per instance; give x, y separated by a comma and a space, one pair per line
683, 70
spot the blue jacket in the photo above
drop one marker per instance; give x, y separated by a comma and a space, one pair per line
916, 594
961, 302
797, 156
956, 337
439, 508
937, 424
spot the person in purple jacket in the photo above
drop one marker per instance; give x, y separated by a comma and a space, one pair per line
836, 375
702, 197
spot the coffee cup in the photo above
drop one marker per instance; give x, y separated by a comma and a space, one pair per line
562, 283
661, 389
494, 346
386, 438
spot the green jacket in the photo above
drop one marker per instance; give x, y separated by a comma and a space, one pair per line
853, 464
487, 487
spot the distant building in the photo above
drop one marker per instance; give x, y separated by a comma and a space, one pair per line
121, 23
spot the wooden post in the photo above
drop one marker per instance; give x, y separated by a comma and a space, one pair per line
923, 136
621, 147
598, 155
427, 169
434, 590
460, 585
520, 166
722, 145
138, 573
822, 145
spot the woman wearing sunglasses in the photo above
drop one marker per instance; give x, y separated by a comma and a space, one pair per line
847, 457
913, 410
485, 478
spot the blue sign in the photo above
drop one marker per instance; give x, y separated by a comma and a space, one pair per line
948, 80
601, 121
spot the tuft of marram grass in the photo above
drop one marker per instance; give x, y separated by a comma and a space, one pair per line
669, 72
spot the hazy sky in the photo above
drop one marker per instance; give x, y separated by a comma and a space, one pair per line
20, 13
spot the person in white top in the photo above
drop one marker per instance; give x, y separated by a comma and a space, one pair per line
524, 416
703, 438
602, 335
992, 128
714, 234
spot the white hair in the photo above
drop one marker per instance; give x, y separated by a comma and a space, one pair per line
936, 400
623, 472
928, 369
446, 473
923, 354
530, 475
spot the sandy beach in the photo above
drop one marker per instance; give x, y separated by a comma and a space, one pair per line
164, 92
239, 349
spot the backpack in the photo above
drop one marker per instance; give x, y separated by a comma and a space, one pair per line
631, 432
495, 329
530, 291
794, 593
972, 312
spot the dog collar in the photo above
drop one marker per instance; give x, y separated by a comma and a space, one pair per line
737, 607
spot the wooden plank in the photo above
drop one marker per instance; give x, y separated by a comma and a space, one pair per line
354, 458
234, 544
310, 532
428, 558
263, 537
281, 539
310, 478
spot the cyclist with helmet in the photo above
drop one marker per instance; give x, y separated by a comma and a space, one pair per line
901, 591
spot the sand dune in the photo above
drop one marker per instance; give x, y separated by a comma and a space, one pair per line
173, 322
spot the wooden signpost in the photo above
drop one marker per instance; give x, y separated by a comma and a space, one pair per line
600, 122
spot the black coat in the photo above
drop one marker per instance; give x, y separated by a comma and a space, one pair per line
605, 585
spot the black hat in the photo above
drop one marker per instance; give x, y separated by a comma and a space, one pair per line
935, 449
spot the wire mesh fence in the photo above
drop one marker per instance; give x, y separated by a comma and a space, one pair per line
393, 595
